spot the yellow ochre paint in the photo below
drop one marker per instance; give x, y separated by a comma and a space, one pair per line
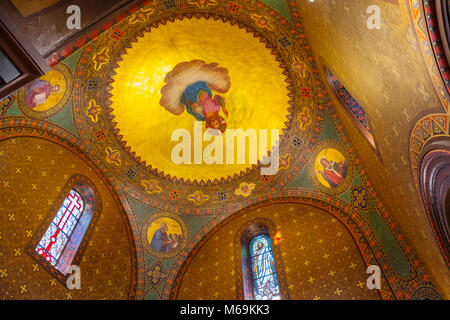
258, 97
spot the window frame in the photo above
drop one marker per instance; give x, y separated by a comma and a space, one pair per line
69, 235
370, 137
245, 236
76, 245
254, 277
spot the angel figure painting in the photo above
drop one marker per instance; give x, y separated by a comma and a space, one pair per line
190, 85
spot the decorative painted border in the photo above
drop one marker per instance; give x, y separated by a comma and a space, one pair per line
420, 24
427, 128
435, 37
358, 231
18, 126
6, 104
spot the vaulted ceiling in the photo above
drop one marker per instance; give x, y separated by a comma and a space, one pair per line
108, 106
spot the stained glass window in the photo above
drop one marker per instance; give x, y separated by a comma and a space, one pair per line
265, 281
353, 107
61, 228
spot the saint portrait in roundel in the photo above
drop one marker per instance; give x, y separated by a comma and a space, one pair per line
38, 92
165, 235
163, 239
190, 85
44, 93
331, 168
45, 96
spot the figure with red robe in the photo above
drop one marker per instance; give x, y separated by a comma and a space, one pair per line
38, 92
333, 172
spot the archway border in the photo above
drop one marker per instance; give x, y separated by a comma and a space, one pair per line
358, 231
19, 126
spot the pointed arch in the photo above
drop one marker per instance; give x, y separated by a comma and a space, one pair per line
260, 269
64, 233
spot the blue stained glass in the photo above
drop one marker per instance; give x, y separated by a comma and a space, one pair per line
265, 281
351, 103
58, 233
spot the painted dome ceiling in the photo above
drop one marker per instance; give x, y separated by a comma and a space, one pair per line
139, 84
147, 78
251, 103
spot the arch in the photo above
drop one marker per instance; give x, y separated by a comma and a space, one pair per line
437, 15
356, 230
68, 225
430, 39
434, 185
21, 127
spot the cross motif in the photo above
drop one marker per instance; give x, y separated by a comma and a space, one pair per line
170, 4
3, 273
359, 198
101, 135
174, 195
297, 142
222, 195
306, 93
156, 274
117, 34
130, 173
73, 202
92, 84
284, 41
233, 7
